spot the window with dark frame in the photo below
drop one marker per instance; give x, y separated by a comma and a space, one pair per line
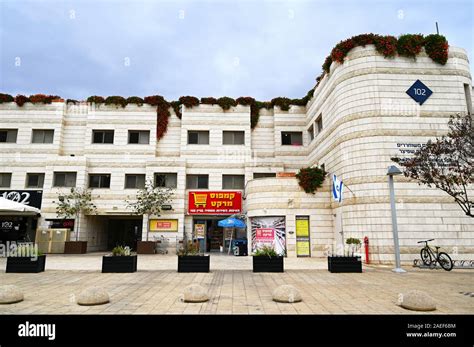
103, 136
99, 180
311, 133
64, 179
319, 124
233, 181
5, 179
233, 137
166, 179
134, 181
34, 180
42, 136
292, 138
141, 137
8, 135
198, 137
263, 174
197, 181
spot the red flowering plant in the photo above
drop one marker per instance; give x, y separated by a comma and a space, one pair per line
245, 100
226, 103
21, 100
341, 50
96, 99
42, 98
386, 45
410, 45
436, 46
189, 101
327, 64
154, 100
311, 178
162, 118
116, 100
209, 101
6, 98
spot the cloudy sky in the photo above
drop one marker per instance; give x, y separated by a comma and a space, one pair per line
234, 48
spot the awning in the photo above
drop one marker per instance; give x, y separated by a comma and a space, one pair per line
13, 207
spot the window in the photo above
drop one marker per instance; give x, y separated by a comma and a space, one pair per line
99, 181
134, 181
64, 179
311, 133
467, 93
294, 138
139, 136
233, 181
168, 180
233, 137
198, 137
197, 181
8, 135
319, 124
263, 174
42, 136
102, 136
5, 180
34, 180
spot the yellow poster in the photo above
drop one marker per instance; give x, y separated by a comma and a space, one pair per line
302, 248
199, 231
302, 228
164, 225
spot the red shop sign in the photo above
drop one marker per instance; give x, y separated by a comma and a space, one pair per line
228, 202
264, 234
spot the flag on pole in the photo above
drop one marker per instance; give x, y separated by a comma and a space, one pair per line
337, 186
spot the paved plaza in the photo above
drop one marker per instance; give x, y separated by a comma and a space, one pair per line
233, 289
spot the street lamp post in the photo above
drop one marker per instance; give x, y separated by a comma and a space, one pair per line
392, 171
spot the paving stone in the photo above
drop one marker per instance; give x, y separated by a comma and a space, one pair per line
10, 294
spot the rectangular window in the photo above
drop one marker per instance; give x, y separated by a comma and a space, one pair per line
293, 138
168, 180
8, 135
233, 137
34, 180
5, 180
263, 174
311, 133
197, 181
64, 179
102, 136
233, 181
198, 137
467, 93
141, 137
319, 124
42, 136
134, 181
99, 181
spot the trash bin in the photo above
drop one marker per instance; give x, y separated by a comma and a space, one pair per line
240, 247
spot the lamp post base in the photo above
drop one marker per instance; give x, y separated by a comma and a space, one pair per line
398, 270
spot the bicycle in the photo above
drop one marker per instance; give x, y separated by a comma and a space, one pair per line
427, 255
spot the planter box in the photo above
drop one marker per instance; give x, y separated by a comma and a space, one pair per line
119, 263
146, 247
193, 263
344, 264
26, 264
267, 264
75, 247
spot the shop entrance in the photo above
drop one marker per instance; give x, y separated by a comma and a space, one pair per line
123, 231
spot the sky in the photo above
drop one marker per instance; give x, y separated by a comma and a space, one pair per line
262, 49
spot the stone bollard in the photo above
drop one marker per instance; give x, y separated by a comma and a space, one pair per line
286, 293
93, 296
416, 300
10, 294
194, 293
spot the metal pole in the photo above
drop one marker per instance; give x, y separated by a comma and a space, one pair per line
437, 30
394, 226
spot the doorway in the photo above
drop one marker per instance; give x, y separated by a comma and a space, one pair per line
124, 232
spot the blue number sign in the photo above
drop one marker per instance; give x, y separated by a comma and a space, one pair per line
419, 92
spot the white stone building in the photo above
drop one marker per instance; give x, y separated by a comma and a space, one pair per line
360, 117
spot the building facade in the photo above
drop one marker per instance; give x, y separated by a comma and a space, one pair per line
359, 117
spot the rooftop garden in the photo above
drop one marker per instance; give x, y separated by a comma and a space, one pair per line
408, 45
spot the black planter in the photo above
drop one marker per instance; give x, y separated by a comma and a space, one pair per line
267, 264
26, 264
193, 263
127, 263
344, 264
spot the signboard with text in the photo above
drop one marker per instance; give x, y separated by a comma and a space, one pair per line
27, 197
214, 202
166, 225
419, 92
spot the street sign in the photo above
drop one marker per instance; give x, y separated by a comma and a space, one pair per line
419, 92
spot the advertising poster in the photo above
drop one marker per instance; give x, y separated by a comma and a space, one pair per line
269, 231
164, 225
199, 231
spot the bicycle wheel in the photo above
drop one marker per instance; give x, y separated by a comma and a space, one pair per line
445, 261
425, 257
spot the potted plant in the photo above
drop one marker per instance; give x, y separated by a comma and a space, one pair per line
149, 201
266, 259
191, 260
348, 262
121, 260
26, 258
77, 202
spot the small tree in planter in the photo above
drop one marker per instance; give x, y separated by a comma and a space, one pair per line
78, 201
149, 201
26, 258
266, 259
121, 260
349, 262
190, 259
